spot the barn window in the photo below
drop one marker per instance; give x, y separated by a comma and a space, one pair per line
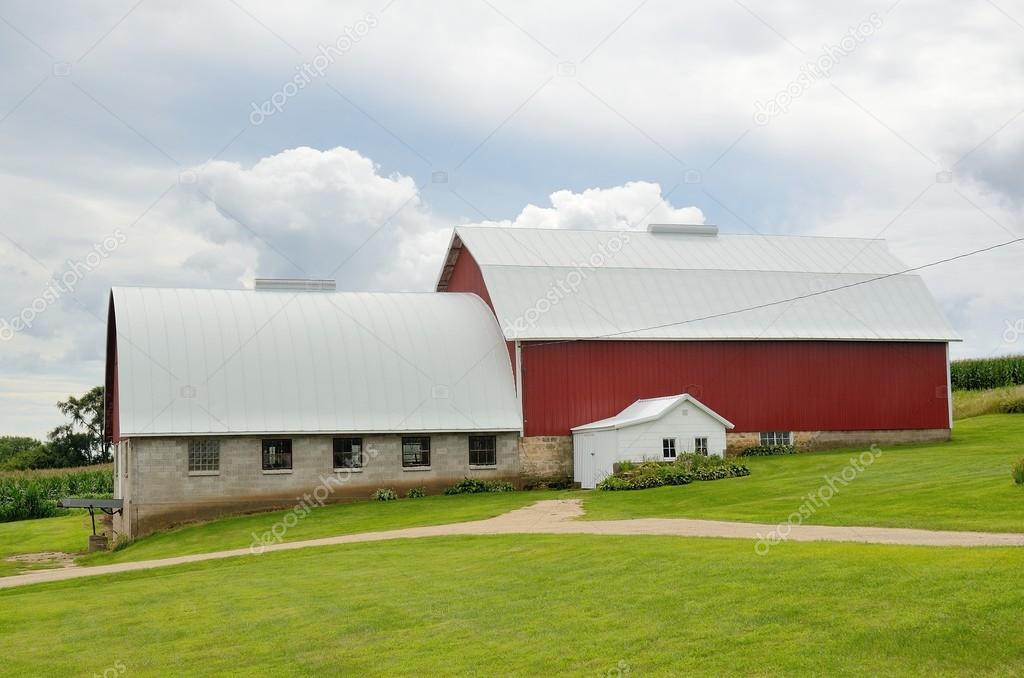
483, 451
668, 448
203, 455
348, 453
700, 446
416, 451
277, 454
774, 438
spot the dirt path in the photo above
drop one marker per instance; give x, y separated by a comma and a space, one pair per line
558, 517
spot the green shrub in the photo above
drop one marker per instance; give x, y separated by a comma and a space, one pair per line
1015, 406
385, 494
984, 373
684, 470
768, 450
475, 486
34, 494
1018, 472
416, 493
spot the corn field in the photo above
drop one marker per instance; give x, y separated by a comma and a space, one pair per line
984, 373
34, 494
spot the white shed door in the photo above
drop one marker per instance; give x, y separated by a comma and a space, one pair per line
586, 461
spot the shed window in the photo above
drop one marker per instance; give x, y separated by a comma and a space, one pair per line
776, 438
277, 454
348, 453
416, 451
700, 446
668, 448
483, 451
204, 454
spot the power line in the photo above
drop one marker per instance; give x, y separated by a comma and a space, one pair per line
885, 276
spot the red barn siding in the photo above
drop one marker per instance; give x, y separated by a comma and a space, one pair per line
467, 277
758, 385
111, 397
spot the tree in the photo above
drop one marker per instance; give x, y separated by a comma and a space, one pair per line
19, 452
80, 441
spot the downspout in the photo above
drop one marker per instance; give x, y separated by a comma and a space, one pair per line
949, 387
519, 387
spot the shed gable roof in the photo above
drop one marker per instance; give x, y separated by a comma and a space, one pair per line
650, 409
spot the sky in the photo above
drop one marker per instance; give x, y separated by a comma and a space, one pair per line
202, 144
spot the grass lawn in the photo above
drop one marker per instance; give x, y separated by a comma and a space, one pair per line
536, 605
990, 401
961, 485
326, 521
67, 534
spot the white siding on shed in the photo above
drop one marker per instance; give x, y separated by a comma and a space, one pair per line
636, 434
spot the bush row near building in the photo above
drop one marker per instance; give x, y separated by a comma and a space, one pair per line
475, 486
768, 450
686, 469
34, 494
983, 373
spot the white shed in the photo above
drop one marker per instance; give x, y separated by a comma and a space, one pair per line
653, 428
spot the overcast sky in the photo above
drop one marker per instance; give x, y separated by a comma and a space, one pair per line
200, 144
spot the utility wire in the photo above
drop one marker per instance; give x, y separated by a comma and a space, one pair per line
963, 255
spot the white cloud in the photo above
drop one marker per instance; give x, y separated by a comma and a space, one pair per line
628, 207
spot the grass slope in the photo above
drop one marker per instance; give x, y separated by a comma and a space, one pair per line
66, 534
326, 521
961, 485
536, 605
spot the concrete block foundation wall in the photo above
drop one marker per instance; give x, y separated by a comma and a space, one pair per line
823, 440
159, 490
545, 459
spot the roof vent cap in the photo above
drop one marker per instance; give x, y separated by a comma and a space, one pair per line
684, 229
294, 285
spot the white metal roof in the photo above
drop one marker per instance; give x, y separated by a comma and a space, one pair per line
561, 284
194, 361
650, 409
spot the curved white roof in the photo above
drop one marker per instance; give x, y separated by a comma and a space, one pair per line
195, 361
562, 284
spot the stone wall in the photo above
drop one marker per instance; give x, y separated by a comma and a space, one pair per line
160, 491
544, 459
822, 440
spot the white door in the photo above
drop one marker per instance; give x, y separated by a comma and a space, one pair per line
585, 460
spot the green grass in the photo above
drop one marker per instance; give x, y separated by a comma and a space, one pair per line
960, 485
67, 534
536, 605
326, 521
968, 404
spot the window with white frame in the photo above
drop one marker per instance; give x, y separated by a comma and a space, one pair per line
483, 450
348, 453
668, 448
774, 438
700, 446
204, 455
415, 451
277, 454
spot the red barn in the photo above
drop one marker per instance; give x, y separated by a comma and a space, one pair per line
815, 341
